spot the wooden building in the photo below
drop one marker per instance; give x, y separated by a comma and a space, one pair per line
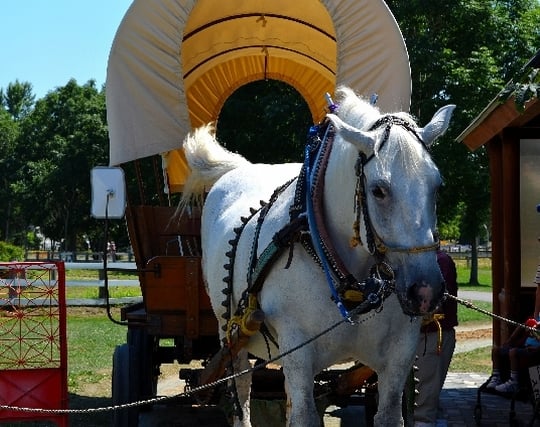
512, 139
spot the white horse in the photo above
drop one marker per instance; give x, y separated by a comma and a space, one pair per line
379, 175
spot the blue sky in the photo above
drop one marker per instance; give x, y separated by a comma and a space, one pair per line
47, 42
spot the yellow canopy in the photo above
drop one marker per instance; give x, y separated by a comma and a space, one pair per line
174, 63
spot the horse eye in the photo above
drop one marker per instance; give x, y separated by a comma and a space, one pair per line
378, 193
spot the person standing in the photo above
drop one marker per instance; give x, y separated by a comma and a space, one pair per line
435, 350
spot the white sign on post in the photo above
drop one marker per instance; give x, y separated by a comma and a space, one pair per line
108, 192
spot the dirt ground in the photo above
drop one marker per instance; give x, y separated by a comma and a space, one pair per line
474, 334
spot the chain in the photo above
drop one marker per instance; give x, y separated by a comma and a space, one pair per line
470, 305
256, 367
192, 390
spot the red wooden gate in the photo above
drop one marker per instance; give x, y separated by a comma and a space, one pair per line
33, 347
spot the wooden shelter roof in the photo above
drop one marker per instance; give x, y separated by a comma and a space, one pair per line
500, 114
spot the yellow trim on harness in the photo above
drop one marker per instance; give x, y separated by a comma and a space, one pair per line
240, 321
353, 295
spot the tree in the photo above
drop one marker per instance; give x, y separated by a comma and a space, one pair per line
16, 102
18, 99
266, 121
463, 52
61, 140
9, 130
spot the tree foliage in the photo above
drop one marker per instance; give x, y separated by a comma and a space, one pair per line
463, 52
9, 131
9, 252
18, 99
60, 141
267, 121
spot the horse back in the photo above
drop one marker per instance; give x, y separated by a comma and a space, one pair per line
231, 198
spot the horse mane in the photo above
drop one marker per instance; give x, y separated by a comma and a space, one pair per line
361, 114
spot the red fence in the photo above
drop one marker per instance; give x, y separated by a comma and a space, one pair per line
33, 345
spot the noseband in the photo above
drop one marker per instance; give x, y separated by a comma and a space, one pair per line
375, 244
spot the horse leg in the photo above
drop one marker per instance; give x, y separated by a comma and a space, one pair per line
390, 387
243, 389
301, 409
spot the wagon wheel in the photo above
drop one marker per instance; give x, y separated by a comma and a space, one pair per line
122, 388
145, 364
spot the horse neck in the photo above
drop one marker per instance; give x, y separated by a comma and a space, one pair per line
339, 204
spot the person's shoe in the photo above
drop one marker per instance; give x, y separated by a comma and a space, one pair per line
493, 382
509, 386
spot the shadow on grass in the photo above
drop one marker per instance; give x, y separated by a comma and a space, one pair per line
90, 419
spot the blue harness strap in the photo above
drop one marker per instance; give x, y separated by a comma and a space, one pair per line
310, 166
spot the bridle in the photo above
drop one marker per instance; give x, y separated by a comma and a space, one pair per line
307, 225
375, 244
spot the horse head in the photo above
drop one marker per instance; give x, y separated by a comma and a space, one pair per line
397, 184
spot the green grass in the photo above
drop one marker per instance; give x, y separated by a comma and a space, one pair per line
93, 275
467, 315
91, 341
92, 292
478, 360
89, 292
484, 275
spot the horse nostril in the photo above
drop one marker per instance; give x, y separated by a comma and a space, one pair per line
422, 296
412, 292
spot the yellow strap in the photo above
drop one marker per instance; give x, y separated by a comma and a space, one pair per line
436, 317
433, 317
240, 320
439, 336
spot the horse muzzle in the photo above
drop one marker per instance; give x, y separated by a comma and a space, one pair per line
422, 298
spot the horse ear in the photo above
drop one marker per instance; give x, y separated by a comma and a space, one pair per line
437, 126
364, 141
